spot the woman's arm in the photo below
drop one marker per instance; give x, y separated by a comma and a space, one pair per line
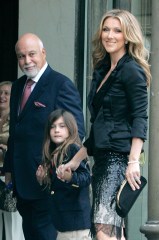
73, 164
134, 81
133, 169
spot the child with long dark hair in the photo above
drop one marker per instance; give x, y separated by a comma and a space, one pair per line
70, 197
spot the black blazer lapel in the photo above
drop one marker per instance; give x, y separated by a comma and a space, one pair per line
98, 77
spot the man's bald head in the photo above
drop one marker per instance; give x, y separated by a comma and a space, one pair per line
31, 54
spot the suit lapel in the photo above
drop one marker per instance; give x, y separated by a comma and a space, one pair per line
18, 90
38, 90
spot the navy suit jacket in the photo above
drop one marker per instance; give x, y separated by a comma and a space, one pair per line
24, 154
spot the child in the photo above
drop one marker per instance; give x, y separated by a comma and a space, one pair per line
70, 197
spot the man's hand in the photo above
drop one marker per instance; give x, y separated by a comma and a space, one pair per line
8, 178
40, 174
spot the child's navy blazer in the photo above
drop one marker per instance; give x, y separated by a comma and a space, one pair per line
71, 200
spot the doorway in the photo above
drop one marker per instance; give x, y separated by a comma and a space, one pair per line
9, 34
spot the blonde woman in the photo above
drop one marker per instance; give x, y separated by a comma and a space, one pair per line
118, 106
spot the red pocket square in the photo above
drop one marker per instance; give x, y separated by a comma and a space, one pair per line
39, 104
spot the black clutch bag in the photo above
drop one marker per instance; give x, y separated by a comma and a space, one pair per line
126, 197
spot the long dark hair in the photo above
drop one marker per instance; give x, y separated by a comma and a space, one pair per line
51, 153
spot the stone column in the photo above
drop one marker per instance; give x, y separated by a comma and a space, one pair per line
151, 227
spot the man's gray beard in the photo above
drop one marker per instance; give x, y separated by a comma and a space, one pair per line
31, 74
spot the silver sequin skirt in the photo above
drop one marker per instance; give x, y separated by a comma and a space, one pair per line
108, 174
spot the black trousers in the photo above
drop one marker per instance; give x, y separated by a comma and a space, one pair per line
37, 219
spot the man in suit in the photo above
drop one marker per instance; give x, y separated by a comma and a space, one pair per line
49, 90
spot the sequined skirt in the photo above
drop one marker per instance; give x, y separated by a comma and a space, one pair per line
108, 173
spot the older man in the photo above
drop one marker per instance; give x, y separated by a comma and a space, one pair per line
40, 91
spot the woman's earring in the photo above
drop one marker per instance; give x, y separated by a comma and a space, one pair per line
126, 42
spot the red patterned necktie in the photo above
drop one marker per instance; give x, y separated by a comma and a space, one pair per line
26, 93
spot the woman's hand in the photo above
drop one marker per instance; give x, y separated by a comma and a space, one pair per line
64, 170
40, 174
133, 174
73, 164
133, 169
67, 175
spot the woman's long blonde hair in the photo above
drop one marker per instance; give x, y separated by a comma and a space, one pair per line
132, 34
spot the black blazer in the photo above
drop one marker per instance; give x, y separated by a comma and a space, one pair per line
24, 154
71, 201
123, 111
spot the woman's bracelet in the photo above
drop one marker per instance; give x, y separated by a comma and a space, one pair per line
135, 161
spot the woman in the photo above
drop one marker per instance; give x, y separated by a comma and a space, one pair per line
12, 220
118, 107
